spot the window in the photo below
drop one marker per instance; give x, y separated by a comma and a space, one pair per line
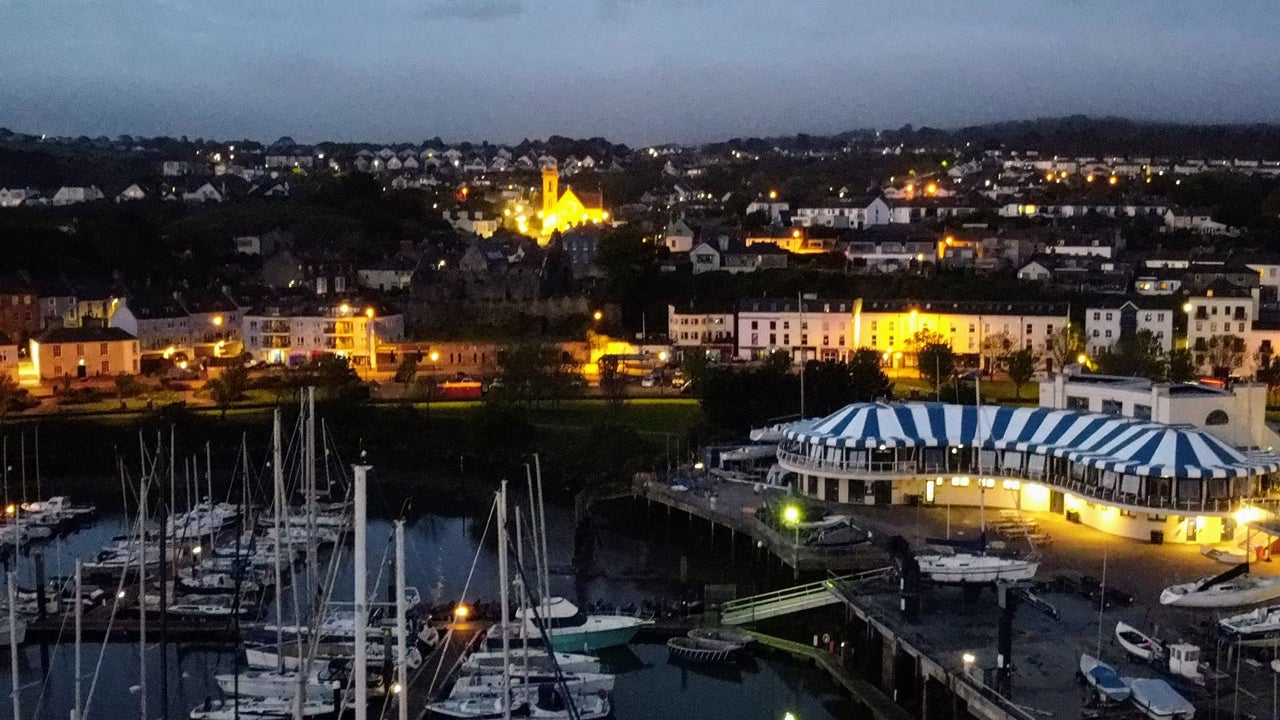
841, 342
786, 338
755, 324
1142, 412
106, 367
102, 348
1077, 403
79, 348
1097, 316
786, 324
1111, 407
773, 339
1217, 417
755, 339
773, 324
57, 351
1029, 329
1096, 333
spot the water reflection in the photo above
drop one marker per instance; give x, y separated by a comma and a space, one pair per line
635, 558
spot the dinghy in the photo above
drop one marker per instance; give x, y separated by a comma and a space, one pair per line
1104, 679
703, 650
723, 634
1137, 643
489, 662
1158, 700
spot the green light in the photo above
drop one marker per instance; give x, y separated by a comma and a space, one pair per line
791, 514
789, 716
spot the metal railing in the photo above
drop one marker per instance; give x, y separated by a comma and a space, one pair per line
889, 467
795, 598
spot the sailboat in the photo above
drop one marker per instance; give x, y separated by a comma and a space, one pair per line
1104, 679
1233, 588
963, 567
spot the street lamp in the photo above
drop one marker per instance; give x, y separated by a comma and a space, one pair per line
791, 514
598, 316
968, 658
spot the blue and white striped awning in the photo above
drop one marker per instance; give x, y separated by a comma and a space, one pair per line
1107, 442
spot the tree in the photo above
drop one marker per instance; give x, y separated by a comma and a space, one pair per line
1064, 346
229, 386
407, 370
1021, 366
867, 377
613, 382
529, 373
10, 394
1182, 366
1225, 354
778, 360
128, 386
937, 363
995, 348
1137, 354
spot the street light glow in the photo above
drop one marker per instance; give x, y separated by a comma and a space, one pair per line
461, 612
791, 514
598, 316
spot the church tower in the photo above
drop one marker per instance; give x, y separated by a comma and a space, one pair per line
550, 189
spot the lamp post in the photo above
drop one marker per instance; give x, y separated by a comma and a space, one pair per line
792, 515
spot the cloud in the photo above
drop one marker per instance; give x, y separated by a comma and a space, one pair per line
471, 9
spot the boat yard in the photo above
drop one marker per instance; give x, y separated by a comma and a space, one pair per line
946, 660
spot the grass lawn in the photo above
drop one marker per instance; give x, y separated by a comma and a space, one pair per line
648, 415
998, 390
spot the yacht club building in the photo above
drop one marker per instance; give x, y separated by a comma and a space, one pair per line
1127, 476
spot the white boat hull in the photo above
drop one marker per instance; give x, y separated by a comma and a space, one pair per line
964, 568
1248, 590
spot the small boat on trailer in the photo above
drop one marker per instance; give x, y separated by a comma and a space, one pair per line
1104, 679
1137, 643
1256, 628
1233, 588
703, 650
1158, 700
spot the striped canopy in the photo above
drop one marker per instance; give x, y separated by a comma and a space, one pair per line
1107, 442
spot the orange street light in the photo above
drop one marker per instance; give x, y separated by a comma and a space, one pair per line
368, 312
598, 316
217, 320
461, 612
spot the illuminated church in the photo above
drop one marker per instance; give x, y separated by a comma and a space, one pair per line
561, 212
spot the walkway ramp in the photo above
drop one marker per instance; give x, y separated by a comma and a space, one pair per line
831, 591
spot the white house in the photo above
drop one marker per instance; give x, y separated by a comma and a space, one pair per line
808, 329
1107, 322
205, 193
296, 335
678, 237
1222, 309
1034, 271
772, 208
133, 192
856, 213
1195, 219
71, 195
12, 197
700, 328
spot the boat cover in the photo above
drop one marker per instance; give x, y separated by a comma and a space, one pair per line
1159, 696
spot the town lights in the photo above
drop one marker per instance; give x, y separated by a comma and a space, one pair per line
598, 316
217, 320
344, 308
969, 659
461, 612
791, 514
368, 312
435, 356
1186, 307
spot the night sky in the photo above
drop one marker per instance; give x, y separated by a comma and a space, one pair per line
636, 71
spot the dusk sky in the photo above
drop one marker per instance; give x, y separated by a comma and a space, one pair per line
635, 71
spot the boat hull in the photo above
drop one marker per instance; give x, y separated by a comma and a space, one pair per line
1258, 593
571, 641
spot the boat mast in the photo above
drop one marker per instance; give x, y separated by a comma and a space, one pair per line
142, 586
359, 490
542, 530
309, 483
277, 499
982, 489
524, 595
78, 710
13, 642
504, 601
208, 476
402, 622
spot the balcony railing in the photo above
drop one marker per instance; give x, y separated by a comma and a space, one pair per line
889, 467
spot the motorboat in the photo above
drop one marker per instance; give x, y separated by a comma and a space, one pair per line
966, 568
488, 662
550, 704
1137, 643
320, 684
234, 708
1233, 588
265, 657
1158, 700
1104, 679
1259, 627
703, 650
569, 629
490, 685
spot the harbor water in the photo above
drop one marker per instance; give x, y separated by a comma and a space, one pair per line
443, 563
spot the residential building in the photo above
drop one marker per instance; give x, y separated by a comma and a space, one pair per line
1198, 220
730, 256
1222, 310
707, 329
295, 335
1108, 321
73, 195
808, 328
387, 274
19, 312
8, 356
891, 327
214, 322
793, 240
84, 352
157, 321
679, 236
855, 213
